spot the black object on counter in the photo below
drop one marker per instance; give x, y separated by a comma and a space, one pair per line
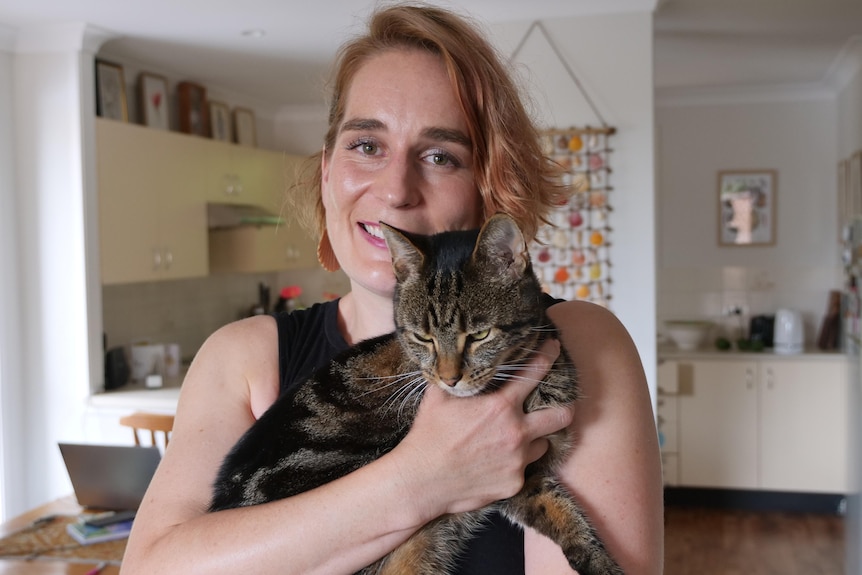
761, 329
116, 368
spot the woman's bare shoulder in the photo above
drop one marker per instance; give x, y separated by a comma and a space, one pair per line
237, 363
591, 328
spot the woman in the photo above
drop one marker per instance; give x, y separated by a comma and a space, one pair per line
426, 133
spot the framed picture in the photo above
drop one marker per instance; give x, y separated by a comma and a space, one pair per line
244, 127
111, 91
220, 128
193, 113
153, 100
746, 207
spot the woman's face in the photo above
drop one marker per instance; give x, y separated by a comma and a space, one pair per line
402, 156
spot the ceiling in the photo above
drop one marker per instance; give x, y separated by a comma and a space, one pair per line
746, 42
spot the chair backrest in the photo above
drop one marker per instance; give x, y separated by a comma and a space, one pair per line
151, 422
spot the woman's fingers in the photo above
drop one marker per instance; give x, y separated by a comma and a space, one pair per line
533, 372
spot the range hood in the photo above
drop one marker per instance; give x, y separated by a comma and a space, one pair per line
222, 215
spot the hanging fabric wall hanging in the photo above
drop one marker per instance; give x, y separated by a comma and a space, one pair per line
573, 256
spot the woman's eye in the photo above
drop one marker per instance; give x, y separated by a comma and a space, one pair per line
480, 335
442, 159
367, 147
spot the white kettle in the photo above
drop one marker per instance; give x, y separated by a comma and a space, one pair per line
788, 333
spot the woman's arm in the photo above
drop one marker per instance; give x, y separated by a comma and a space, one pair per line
615, 468
448, 462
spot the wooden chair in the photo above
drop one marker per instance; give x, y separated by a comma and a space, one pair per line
152, 422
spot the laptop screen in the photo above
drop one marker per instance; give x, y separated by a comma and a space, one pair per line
111, 477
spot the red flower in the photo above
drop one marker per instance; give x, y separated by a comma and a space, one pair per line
290, 292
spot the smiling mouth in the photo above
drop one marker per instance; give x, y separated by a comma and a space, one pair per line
373, 230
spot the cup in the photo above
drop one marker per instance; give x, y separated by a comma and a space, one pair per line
147, 359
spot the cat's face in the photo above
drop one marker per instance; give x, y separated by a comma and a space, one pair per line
465, 304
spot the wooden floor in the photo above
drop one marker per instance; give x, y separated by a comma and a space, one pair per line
700, 541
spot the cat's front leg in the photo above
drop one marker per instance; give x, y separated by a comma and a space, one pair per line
546, 506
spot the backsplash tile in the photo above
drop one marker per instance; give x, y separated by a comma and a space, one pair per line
710, 293
188, 311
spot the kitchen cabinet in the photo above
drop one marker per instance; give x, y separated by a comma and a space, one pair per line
668, 420
153, 190
152, 217
238, 174
266, 248
773, 423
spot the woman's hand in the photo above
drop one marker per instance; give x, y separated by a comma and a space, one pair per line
465, 453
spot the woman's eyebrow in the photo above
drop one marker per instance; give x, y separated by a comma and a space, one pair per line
435, 134
362, 124
447, 135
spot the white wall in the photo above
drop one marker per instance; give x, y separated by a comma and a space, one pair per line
57, 291
11, 453
850, 100
697, 277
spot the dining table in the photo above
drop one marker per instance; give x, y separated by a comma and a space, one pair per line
42, 563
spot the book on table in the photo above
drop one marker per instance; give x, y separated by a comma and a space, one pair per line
86, 534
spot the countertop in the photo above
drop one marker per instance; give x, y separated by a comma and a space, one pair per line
670, 352
136, 395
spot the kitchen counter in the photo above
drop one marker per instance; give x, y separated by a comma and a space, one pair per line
136, 396
670, 352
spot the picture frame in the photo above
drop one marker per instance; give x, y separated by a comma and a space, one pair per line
111, 91
193, 113
746, 207
220, 121
245, 133
153, 101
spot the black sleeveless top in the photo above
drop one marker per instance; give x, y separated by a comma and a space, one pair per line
307, 340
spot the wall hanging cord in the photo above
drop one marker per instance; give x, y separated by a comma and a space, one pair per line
538, 25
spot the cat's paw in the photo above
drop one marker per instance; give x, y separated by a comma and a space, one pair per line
595, 562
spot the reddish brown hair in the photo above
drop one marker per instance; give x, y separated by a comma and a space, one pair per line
511, 173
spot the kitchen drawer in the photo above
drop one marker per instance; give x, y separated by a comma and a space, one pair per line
668, 407
670, 468
670, 434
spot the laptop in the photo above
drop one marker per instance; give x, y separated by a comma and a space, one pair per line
113, 477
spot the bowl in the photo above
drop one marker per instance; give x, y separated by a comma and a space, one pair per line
688, 335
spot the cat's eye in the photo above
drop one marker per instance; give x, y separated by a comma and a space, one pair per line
422, 338
480, 335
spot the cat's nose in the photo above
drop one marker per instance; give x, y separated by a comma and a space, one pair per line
451, 381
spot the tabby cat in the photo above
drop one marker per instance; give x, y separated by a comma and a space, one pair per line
468, 312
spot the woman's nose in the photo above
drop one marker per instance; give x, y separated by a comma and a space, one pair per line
398, 184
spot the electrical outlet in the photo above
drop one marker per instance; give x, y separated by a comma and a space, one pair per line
735, 304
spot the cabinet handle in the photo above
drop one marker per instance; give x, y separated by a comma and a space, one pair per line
169, 259
157, 259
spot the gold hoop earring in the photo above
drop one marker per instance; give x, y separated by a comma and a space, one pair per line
325, 255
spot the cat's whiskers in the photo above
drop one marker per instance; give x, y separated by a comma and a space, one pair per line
396, 379
412, 390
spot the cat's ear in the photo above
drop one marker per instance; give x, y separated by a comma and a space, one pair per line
502, 244
406, 258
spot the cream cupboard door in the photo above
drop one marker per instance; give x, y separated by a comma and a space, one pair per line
718, 425
295, 248
266, 248
151, 213
236, 174
804, 425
